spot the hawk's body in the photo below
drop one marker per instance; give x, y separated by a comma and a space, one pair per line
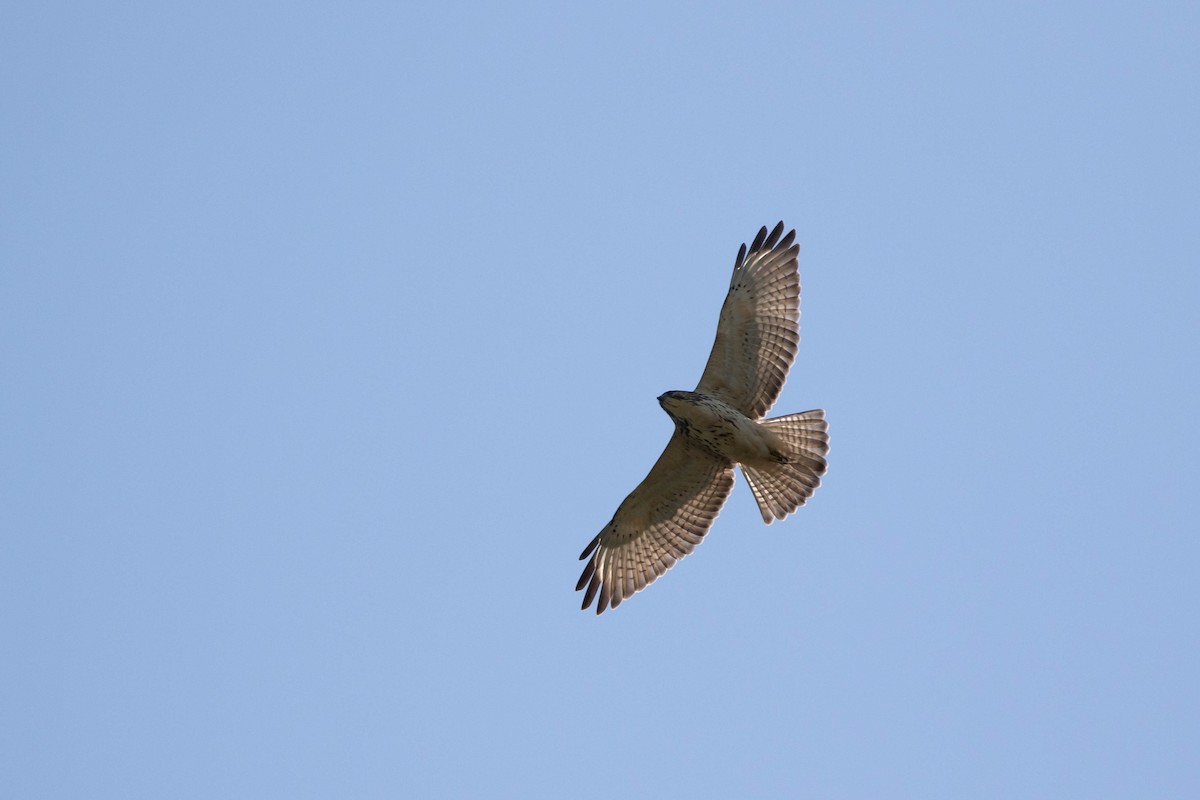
718, 426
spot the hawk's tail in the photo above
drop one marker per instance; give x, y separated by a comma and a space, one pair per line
781, 488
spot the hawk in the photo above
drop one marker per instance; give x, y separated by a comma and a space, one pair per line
719, 426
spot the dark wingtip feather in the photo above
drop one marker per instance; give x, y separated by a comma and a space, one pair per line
741, 256
590, 594
776, 232
587, 551
587, 574
605, 596
758, 240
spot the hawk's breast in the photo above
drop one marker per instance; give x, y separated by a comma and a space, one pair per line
720, 428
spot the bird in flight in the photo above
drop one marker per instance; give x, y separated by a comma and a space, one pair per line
718, 426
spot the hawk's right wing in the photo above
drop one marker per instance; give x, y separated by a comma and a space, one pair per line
660, 522
759, 329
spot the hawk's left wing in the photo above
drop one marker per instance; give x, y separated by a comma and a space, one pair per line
660, 522
759, 329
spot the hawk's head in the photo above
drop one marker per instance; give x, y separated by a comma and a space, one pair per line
677, 404
672, 400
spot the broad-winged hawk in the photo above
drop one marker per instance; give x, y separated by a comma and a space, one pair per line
718, 426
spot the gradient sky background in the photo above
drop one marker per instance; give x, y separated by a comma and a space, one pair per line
331, 333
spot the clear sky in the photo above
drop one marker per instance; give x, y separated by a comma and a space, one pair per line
331, 333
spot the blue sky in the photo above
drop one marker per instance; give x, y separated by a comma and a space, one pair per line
330, 335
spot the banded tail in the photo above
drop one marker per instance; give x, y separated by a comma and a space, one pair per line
781, 488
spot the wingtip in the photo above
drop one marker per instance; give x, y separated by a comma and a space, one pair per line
588, 571
741, 256
773, 239
587, 551
590, 594
759, 239
770, 239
